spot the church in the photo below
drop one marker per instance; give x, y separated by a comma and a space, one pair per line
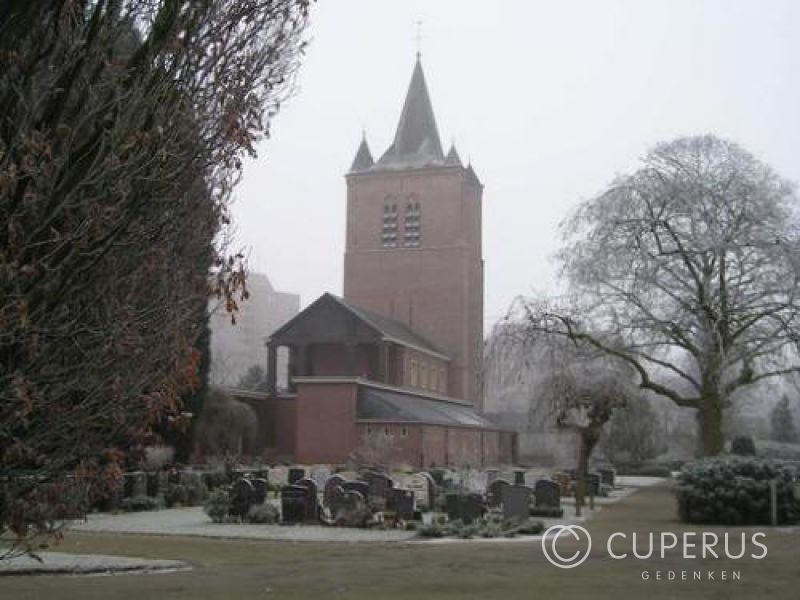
395, 365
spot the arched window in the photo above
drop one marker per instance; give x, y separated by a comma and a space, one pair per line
412, 229
389, 223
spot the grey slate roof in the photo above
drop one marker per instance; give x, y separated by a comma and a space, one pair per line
363, 159
453, 159
385, 405
416, 142
390, 328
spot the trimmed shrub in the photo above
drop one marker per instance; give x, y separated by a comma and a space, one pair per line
176, 494
743, 445
218, 505
196, 492
735, 491
263, 514
138, 504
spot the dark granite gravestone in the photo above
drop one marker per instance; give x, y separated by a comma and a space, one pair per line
519, 477
242, 494
516, 502
152, 484
312, 498
494, 492
547, 493
400, 502
135, 484
293, 503
296, 474
464, 507
379, 484
259, 490
608, 476
593, 484
331, 485
362, 487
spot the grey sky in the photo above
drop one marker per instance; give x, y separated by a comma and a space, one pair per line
548, 99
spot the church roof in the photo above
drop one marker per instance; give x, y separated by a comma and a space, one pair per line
376, 404
363, 159
390, 329
416, 141
315, 323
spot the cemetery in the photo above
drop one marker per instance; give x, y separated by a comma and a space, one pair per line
324, 502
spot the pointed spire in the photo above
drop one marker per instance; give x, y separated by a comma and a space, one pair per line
453, 159
416, 142
363, 159
472, 175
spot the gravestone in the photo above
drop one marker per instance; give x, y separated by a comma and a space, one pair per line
312, 498
295, 475
433, 489
334, 499
279, 475
494, 493
260, 487
362, 487
420, 484
593, 484
331, 485
401, 502
464, 507
152, 484
473, 507
516, 502
547, 493
293, 503
135, 484
379, 484
348, 508
242, 495
607, 476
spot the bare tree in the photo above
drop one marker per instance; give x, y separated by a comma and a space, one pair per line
583, 389
691, 264
123, 124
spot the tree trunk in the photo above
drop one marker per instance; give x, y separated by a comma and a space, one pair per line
588, 437
710, 415
711, 422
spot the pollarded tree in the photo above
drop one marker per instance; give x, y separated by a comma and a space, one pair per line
693, 264
583, 390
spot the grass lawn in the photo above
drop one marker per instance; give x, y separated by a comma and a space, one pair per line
244, 569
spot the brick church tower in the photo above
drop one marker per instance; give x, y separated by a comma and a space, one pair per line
413, 248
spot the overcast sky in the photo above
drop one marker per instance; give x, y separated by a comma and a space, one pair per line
549, 100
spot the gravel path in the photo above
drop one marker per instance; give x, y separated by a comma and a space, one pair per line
59, 563
193, 521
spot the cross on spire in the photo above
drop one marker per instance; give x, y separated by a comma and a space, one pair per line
418, 37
